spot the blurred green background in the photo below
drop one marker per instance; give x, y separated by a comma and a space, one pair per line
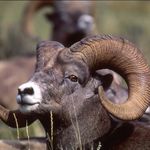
129, 19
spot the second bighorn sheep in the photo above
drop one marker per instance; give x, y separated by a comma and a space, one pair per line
66, 83
71, 20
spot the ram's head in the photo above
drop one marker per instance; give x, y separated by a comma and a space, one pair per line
65, 73
67, 83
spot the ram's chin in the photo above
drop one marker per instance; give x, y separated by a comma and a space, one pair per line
28, 108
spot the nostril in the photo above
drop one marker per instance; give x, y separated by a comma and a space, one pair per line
29, 91
19, 92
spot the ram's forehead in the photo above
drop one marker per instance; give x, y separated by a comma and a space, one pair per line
47, 52
76, 6
66, 56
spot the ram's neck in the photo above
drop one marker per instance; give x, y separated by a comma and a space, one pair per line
82, 131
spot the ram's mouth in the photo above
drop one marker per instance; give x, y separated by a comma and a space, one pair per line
28, 107
27, 103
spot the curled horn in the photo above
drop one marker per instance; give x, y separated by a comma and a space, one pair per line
121, 56
29, 13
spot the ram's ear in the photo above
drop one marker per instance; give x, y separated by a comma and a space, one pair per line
46, 53
105, 79
51, 16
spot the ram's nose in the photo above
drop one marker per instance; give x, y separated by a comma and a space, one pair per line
26, 90
86, 22
29, 93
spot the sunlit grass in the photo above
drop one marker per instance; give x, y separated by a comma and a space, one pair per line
28, 136
17, 126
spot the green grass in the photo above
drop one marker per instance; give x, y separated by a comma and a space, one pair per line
35, 129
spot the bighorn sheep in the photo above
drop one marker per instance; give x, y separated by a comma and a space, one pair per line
67, 87
72, 20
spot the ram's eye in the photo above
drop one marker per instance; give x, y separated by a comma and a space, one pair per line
73, 78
